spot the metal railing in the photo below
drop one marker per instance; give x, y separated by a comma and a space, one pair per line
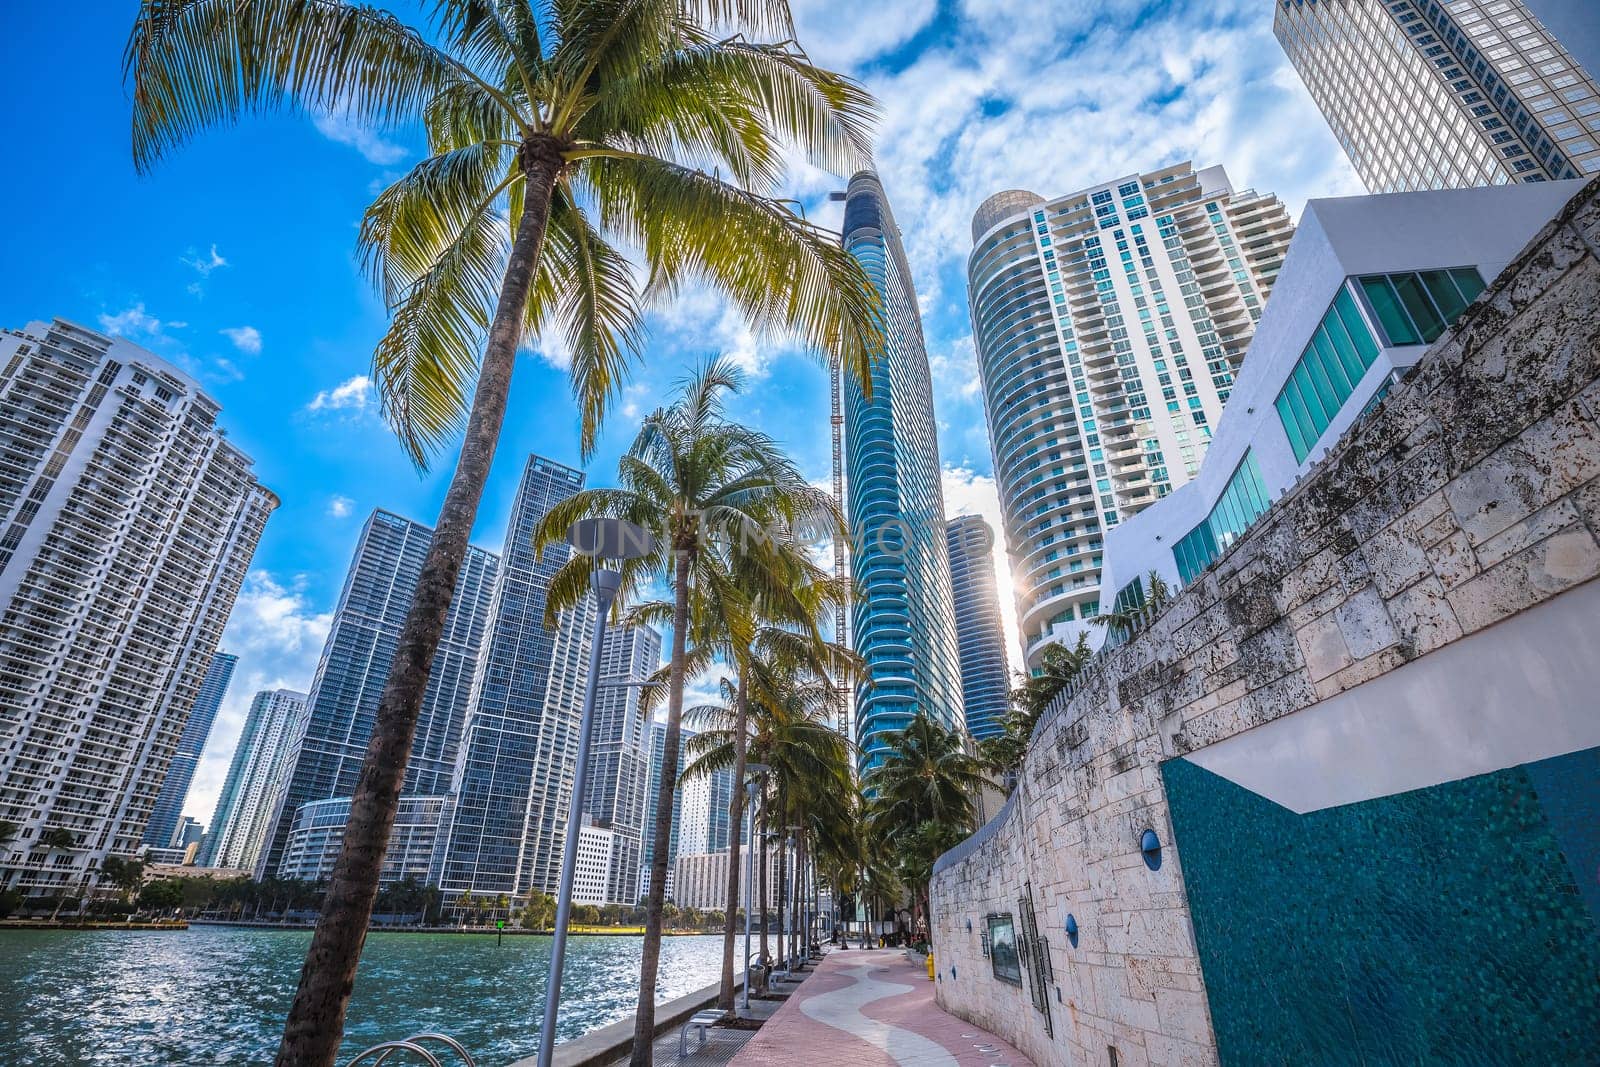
414, 1044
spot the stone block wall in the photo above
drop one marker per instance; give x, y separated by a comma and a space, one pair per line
1470, 496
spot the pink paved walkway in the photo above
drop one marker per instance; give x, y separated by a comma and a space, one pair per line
871, 1009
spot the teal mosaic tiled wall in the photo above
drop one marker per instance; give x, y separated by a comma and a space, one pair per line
1458, 924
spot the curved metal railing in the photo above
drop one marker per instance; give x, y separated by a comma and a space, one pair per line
381, 1052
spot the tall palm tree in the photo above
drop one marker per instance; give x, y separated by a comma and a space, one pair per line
714, 492
927, 779
554, 131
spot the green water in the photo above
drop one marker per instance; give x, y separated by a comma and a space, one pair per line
218, 995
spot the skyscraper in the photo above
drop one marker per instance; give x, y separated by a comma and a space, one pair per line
985, 677
160, 833
1108, 324
355, 664
652, 804
619, 766
904, 623
513, 776
1425, 94
703, 811
127, 522
257, 774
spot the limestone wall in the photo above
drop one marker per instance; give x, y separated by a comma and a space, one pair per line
1471, 495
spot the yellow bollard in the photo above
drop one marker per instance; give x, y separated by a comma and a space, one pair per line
930, 965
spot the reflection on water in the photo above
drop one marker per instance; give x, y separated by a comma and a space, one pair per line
218, 995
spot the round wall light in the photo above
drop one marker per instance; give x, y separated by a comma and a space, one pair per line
1150, 847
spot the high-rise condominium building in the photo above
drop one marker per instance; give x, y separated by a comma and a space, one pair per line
1109, 324
163, 827
513, 777
903, 624
1441, 94
262, 761
591, 877
354, 669
652, 804
703, 817
619, 765
127, 521
985, 677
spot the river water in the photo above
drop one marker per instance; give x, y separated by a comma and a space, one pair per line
218, 995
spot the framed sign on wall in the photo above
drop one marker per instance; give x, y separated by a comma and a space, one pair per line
1003, 958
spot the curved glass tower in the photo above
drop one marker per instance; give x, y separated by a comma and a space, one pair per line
904, 617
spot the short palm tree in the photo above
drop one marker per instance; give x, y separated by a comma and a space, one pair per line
714, 492
1154, 595
555, 130
1059, 667
927, 778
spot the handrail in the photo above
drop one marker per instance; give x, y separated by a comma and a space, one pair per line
385, 1049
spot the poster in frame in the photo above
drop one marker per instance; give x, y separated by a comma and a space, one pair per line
1003, 957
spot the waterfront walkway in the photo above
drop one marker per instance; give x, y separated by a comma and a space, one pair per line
871, 1008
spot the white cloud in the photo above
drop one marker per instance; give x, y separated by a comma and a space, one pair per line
870, 29
342, 127
246, 339
131, 322
203, 264
969, 493
350, 394
340, 507
278, 637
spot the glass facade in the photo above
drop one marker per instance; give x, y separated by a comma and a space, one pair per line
514, 770
903, 621
175, 786
1109, 325
1241, 503
354, 668
1410, 309
619, 769
1441, 94
985, 677
260, 764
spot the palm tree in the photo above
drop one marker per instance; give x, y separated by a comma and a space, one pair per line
783, 616
1154, 596
1059, 667
785, 724
554, 131
926, 778
716, 493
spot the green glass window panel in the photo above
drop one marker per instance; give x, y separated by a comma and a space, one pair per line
1344, 348
1469, 281
1343, 383
1318, 392
1415, 298
1391, 315
1350, 317
1302, 415
1444, 293
1291, 426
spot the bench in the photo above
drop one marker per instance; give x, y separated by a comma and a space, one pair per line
700, 1020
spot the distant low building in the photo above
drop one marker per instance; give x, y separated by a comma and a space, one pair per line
700, 881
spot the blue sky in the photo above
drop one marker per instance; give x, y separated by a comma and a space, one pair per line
235, 257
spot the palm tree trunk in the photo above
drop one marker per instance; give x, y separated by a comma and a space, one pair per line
315, 1025
783, 878
761, 843
644, 1020
735, 822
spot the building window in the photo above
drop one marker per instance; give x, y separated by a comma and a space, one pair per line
1409, 309
1241, 503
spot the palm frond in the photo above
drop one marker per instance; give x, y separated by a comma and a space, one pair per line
192, 64
785, 274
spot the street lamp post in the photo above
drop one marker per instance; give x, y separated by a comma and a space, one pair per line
602, 539
751, 789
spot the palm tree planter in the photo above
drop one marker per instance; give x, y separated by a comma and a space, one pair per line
552, 133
